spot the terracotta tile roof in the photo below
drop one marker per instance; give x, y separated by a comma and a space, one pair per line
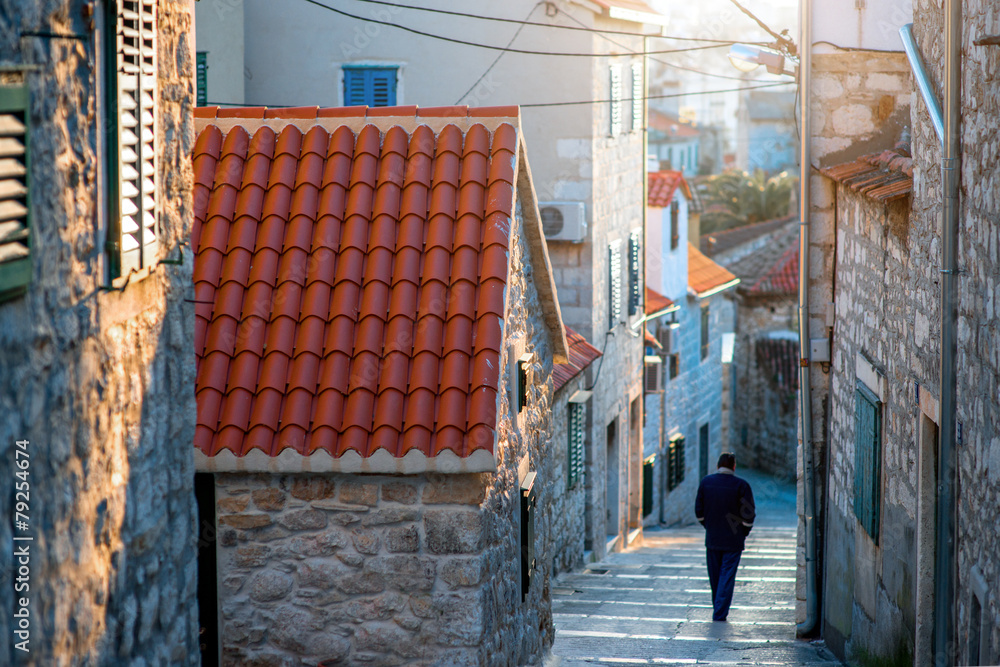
656, 302
350, 282
581, 355
663, 185
719, 242
705, 277
884, 177
671, 126
782, 277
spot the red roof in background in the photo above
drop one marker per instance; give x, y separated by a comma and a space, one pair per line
704, 275
663, 185
782, 277
655, 302
671, 125
350, 287
581, 355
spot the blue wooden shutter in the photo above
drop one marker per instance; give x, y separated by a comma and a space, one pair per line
867, 459
15, 258
370, 86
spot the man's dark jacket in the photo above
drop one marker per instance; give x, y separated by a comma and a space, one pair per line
725, 507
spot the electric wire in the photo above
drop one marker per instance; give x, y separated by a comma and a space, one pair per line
492, 47
545, 25
499, 55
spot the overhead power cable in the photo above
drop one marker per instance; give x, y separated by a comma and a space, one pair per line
499, 55
782, 40
556, 104
501, 48
624, 33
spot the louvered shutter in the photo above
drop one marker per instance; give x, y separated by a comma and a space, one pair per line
577, 432
637, 97
15, 260
616, 100
867, 459
614, 284
137, 195
634, 286
675, 234
370, 86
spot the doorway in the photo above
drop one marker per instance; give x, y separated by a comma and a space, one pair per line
613, 503
702, 451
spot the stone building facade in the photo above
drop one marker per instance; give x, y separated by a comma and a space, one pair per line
879, 591
95, 369
412, 545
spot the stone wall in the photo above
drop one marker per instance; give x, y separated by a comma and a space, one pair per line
566, 507
765, 416
99, 382
860, 104
419, 569
978, 545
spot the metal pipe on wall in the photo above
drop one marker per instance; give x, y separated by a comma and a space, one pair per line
944, 561
805, 394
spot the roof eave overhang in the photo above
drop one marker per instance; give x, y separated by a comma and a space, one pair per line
382, 461
716, 290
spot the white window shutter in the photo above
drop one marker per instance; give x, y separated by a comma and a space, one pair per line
616, 100
637, 97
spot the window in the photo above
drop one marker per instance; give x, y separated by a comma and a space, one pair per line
577, 437
370, 86
616, 100
867, 458
15, 242
202, 76
637, 97
522, 382
132, 242
647, 485
675, 227
529, 503
614, 284
634, 286
704, 332
675, 462
674, 366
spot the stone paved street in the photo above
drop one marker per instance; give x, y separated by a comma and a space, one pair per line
650, 605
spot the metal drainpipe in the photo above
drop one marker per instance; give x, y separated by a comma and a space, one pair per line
805, 393
944, 561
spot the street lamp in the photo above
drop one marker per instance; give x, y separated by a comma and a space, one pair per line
746, 58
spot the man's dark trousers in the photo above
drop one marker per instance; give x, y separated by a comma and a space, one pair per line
722, 566
725, 507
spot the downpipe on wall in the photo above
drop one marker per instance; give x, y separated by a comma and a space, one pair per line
808, 625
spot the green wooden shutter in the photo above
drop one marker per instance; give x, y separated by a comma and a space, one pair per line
867, 459
134, 243
675, 235
202, 78
675, 462
15, 242
577, 433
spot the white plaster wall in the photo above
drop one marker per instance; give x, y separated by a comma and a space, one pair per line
220, 33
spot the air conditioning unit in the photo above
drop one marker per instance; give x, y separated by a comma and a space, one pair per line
563, 220
670, 338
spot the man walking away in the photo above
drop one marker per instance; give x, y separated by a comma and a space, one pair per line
725, 508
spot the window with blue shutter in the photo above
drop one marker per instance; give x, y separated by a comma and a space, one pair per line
867, 458
370, 86
15, 253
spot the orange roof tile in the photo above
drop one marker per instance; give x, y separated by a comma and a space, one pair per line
656, 302
706, 277
782, 277
884, 177
663, 185
350, 282
581, 355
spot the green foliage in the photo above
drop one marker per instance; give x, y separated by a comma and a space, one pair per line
901, 656
736, 198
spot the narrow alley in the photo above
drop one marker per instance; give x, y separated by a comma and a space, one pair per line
650, 605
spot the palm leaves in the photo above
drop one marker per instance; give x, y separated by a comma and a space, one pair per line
736, 198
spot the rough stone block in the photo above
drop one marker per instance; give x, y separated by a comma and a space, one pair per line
359, 493
323, 544
402, 539
233, 505
251, 555
462, 571
455, 489
381, 637
245, 521
270, 585
399, 492
319, 573
382, 607
304, 520
453, 532
269, 499
407, 573
366, 542
359, 583
312, 487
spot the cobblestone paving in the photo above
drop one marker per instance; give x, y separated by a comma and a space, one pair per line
650, 605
